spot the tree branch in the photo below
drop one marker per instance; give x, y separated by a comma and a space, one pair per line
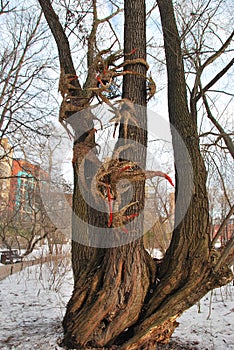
61, 40
106, 19
195, 95
227, 139
219, 232
227, 253
218, 53
215, 79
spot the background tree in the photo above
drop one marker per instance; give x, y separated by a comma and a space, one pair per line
116, 301
24, 217
23, 74
26, 66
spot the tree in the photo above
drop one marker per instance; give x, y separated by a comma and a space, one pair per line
122, 298
25, 68
24, 76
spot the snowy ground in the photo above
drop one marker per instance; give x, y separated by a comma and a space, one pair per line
32, 304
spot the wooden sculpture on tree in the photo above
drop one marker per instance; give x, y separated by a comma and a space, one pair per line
122, 299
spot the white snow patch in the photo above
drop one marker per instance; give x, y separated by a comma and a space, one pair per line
155, 253
212, 327
32, 305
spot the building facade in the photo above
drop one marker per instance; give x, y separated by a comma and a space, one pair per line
20, 182
6, 159
24, 187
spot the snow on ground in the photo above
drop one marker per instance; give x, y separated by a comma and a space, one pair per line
212, 326
43, 250
32, 305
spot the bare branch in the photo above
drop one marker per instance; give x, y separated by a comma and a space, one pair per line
106, 19
4, 7
226, 254
154, 6
218, 53
215, 79
193, 21
225, 221
61, 40
222, 181
227, 139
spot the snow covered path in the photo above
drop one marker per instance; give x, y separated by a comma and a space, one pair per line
32, 305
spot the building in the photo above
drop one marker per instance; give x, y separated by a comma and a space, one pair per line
6, 159
19, 184
24, 187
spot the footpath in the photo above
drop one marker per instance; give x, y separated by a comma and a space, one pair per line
7, 270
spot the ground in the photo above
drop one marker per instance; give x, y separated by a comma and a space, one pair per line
33, 301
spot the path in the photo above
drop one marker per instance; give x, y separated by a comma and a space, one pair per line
10, 269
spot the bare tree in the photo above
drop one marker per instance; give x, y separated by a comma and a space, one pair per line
122, 298
208, 57
25, 82
24, 75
